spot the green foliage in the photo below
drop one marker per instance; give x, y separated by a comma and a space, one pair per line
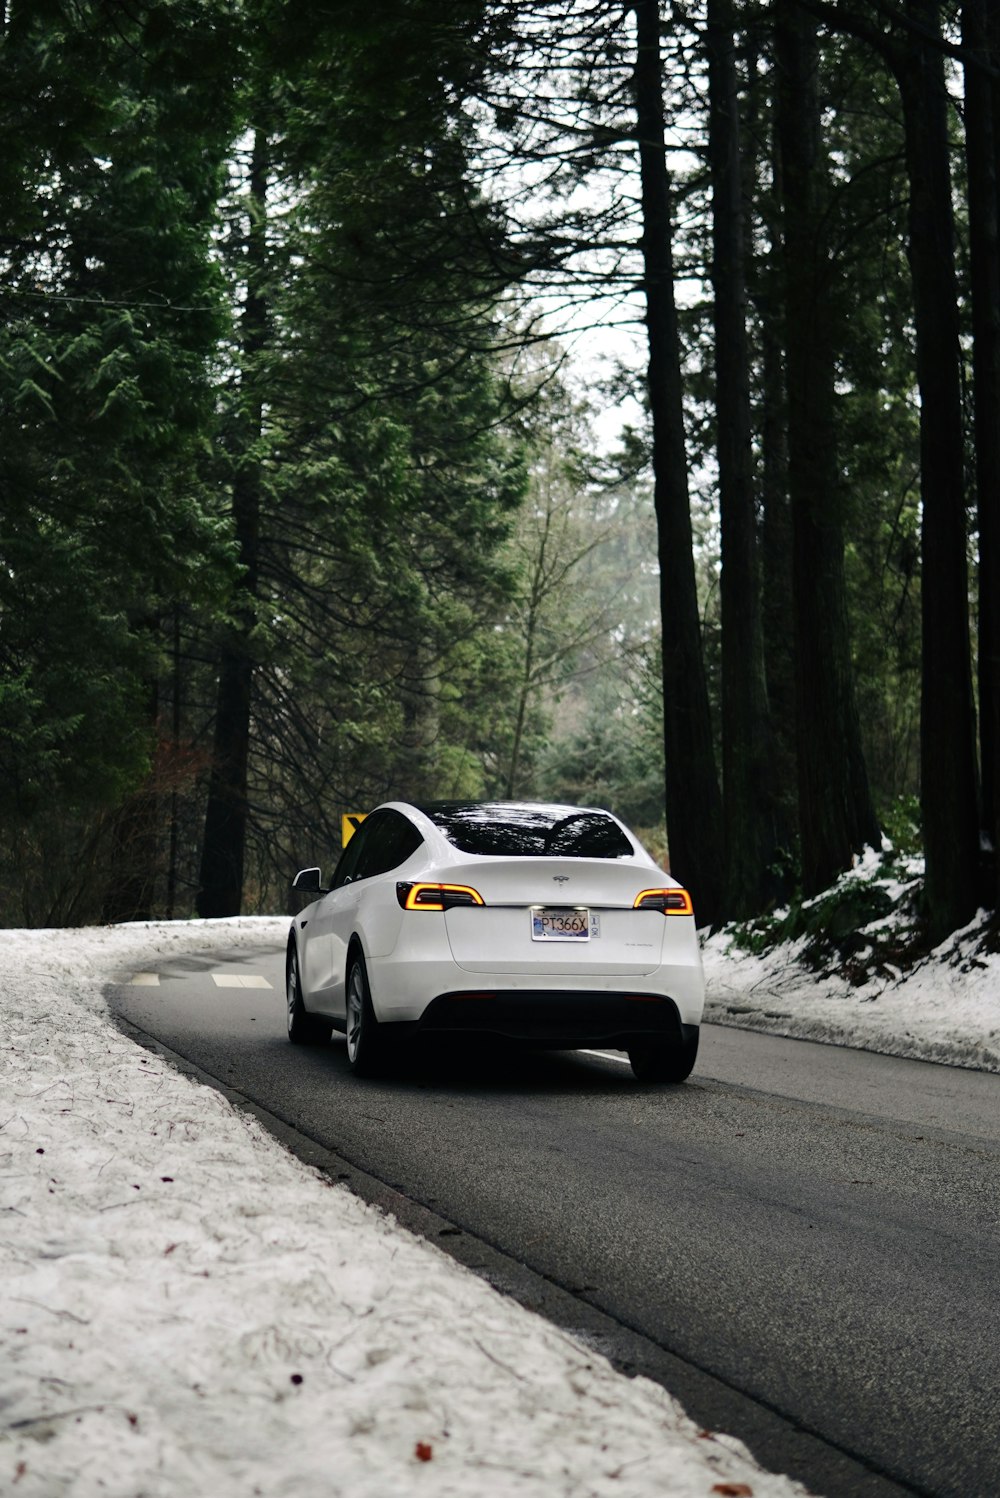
615, 757
447, 593
368, 409
866, 923
878, 418
901, 825
584, 716
112, 142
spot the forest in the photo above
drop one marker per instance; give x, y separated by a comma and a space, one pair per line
473, 398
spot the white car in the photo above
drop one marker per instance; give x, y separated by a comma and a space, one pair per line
549, 925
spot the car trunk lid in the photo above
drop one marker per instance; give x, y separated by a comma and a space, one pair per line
551, 915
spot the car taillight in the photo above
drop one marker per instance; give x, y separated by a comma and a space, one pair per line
436, 896
667, 901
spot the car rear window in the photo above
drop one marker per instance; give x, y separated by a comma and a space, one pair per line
530, 831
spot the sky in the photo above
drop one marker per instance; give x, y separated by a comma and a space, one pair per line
189, 1309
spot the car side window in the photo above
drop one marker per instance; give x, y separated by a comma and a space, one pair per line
391, 841
347, 868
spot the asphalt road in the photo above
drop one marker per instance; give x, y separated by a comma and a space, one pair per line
801, 1242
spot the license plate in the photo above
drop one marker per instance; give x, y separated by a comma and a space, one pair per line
548, 924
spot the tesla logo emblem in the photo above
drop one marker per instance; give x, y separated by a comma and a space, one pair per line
561, 878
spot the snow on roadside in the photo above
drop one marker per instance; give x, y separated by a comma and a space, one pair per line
931, 1014
187, 1308
946, 1008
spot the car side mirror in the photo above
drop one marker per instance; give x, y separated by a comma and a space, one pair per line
309, 882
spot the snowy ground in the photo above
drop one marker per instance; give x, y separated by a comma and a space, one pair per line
945, 1008
188, 1309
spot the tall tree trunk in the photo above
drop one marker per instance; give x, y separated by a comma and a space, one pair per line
527, 681
981, 39
220, 890
173, 842
135, 842
947, 728
776, 537
760, 156
693, 804
420, 773
836, 818
222, 857
747, 798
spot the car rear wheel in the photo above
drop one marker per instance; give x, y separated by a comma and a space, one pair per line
366, 1043
662, 1060
303, 1028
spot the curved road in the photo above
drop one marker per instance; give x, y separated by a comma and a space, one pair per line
801, 1243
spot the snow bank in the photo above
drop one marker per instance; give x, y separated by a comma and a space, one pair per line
188, 1309
945, 1008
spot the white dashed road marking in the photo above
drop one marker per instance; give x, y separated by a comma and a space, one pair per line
240, 980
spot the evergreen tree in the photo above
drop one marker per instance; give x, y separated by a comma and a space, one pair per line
749, 794
694, 810
981, 42
381, 484
113, 129
836, 817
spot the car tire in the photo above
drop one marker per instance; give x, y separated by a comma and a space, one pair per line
366, 1042
303, 1028
665, 1060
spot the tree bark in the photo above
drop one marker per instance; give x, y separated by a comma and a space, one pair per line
776, 537
693, 803
761, 172
420, 767
535, 596
981, 39
836, 818
220, 890
748, 801
947, 728
135, 843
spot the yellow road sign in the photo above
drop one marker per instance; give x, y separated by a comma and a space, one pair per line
349, 824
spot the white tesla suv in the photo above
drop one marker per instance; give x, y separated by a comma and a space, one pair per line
549, 925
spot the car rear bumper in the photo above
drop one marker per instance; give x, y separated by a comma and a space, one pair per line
561, 1019
405, 990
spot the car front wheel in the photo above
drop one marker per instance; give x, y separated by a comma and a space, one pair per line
366, 1044
662, 1060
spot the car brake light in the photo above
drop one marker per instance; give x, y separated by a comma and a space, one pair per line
436, 896
667, 901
